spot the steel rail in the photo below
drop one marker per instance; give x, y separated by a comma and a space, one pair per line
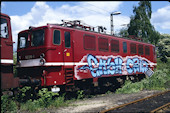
161, 107
139, 100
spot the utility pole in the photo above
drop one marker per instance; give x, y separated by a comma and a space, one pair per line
111, 21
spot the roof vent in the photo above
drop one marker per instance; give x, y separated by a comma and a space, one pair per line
101, 29
77, 24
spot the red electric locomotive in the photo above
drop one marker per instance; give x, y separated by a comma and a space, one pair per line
6, 57
71, 55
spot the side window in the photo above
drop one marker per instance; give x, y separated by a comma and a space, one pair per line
22, 43
67, 39
140, 49
23, 40
147, 50
56, 37
124, 47
115, 46
103, 44
133, 48
89, 42
4, 28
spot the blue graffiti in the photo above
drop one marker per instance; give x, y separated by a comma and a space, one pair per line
111, 67
136, 65
106, 67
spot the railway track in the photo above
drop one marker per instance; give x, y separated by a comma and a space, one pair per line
156, 103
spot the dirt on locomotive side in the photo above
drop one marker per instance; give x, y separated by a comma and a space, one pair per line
100, 102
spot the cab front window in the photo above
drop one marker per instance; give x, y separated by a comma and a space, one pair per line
37, 38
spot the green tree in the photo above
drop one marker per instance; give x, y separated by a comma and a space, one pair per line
154, 37
123, 32
164, 47
140, 25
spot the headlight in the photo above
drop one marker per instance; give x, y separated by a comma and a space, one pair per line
42, 61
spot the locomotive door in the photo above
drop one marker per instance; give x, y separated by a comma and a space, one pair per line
68, 49
68, 60
6, 46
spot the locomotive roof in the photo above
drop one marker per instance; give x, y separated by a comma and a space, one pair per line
5, 15
81, 30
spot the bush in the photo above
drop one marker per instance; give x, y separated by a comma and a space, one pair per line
30, 105
129, 87
160, 80
80, 94
22, 97
46, 99
7, 104
59, 101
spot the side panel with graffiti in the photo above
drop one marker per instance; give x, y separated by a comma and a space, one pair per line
98, 66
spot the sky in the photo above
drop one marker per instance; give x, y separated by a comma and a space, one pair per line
94, 13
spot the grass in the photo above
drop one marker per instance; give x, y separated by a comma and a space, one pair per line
47, 99
38, 105
160, 80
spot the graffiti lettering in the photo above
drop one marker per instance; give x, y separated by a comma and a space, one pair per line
110, 66
106, 67
136, 65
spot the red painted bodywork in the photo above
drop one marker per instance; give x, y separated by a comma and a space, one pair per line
7, 43
58, 57
6, 57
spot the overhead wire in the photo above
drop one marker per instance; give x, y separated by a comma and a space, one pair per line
94, 10
91, 9
99, 8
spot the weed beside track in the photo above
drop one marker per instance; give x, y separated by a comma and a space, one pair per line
160, 80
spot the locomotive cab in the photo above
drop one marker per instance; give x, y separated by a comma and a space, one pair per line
41, 54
